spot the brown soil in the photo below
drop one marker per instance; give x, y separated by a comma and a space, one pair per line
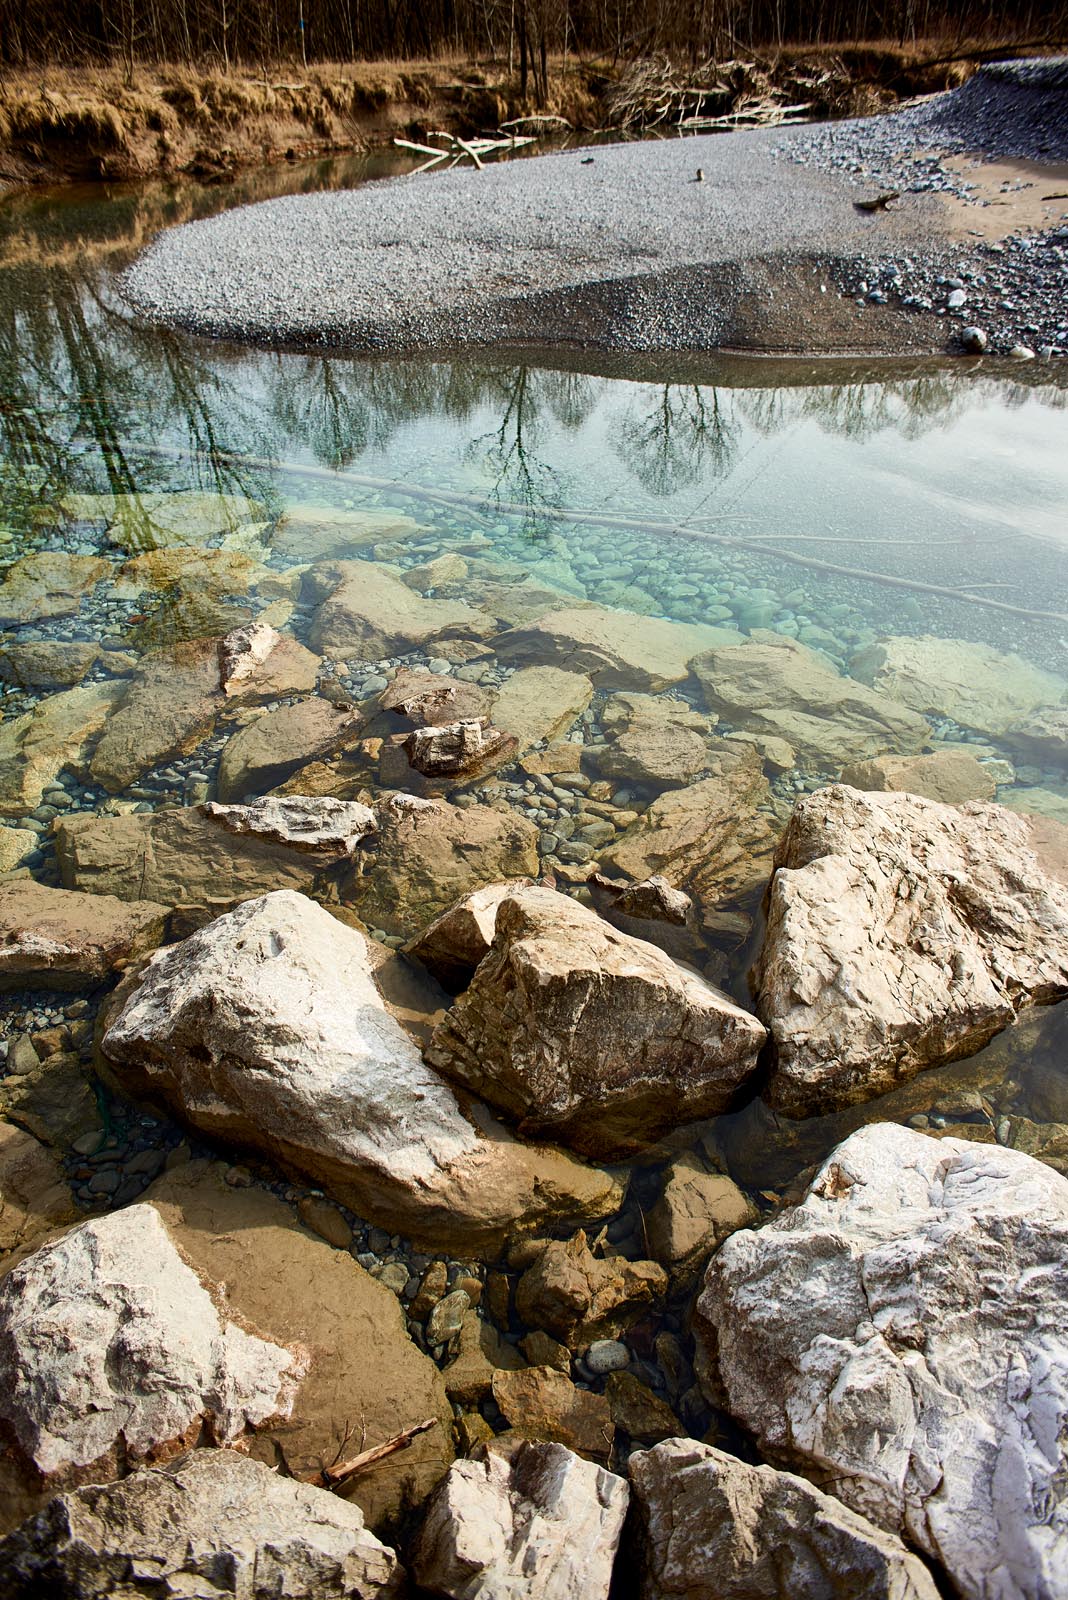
61, 124
1017, 196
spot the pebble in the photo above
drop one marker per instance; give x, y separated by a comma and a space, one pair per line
606, 1355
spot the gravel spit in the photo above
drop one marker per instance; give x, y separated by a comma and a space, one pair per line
620, 248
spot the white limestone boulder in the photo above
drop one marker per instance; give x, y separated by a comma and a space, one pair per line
901, 934
900, 1337
179, 1529
543, 1521
266, 1027
114, 1352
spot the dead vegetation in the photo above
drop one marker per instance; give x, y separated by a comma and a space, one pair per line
125, 120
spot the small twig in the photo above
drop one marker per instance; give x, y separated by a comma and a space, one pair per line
337, 1476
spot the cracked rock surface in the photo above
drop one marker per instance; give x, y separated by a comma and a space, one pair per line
899, 1336
901, 934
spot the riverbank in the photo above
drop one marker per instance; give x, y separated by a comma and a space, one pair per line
767, 241
62, 124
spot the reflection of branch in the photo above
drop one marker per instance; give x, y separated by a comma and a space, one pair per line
516, 467
684, 434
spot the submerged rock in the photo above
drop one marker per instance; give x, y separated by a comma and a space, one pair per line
901, 934
266, 1027
618, 649
309, 532
191, 858
430, 698
459, 750
177, 1529
711, 1527
58, 733
539, 703
977, 686
48, 583
34, 1195
543, 1404
696, 1211
278, 743
151, 518
580, 1297
584, 1034
499, 1524
900, 1336
428, 854
774, 686
454, 944
55, 939
114, 1354
365, 612
711, 838
951, 776
47, 663
177, 693
653, 741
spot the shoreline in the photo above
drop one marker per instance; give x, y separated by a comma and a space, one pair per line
753, 243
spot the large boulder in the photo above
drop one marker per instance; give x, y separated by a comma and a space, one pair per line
714, 838
58, 733
975, 685
196, 858
365, 612
177, 1529
364, 1377
774, 686
275, 744
539, 703
900, 1336
711, 1527
115, 1353
53, 939
266, 1027
496, 1523
653, 740
901, 934
617, 649
428, 854
48, 583
581, 1033
177, 692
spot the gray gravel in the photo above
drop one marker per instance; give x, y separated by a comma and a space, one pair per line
620, 247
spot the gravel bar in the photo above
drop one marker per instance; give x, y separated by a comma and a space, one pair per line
625, 247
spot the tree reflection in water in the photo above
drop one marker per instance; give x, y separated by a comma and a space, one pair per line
89, 394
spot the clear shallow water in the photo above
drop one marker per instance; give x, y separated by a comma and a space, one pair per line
831, 503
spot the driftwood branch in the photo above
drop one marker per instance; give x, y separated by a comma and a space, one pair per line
337, 1476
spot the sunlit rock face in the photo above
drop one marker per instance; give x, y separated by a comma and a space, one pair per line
585, 1034
901, 934
899, 1336
267, 1027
